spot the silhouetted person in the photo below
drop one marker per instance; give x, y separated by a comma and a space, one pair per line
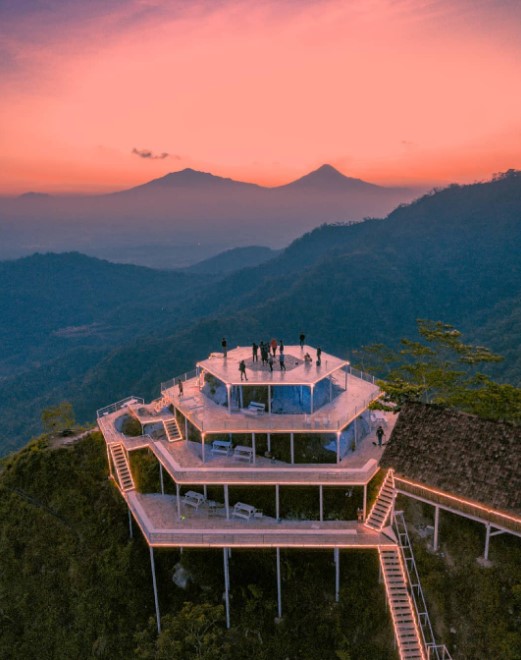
270, 361
282, 358
224, 346
307, 359
380, 434
281, 346
180, 385
302, 339
264, 353
242, 369
255, 352
319, 356
273, 344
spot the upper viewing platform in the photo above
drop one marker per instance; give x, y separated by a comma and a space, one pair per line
297, 370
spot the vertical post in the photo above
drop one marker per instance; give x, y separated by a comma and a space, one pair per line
436, 528
487, 542
254, 447
345, 380
277, 502
203, 447
279, 587
205, 491
229, 396
356, 431
241, 395
226, 502
380, 574
186, 428
365, 500
178, 500
269, 443
161, 481
130, 529
269, 399
110, 461
226, 586
330, 390
338, 447
156, 601
321, 502
291, 448
336, 553
311, 406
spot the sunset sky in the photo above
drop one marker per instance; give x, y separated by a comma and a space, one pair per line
105, 94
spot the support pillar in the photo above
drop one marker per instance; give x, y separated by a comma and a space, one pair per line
156, 601
356, 431
110, 462
186, 428
203, 447
161, 481
321, 502
330, 390
269, 442
279, 587
226, 502
241, 395
291, 448
336, 554
338, 447
311, 408
205, 491
436, 528
269, 399
229, 396
226, 586
178, 500
345, 381
277, 502
254, 447
487, 542
130, 528
365, 501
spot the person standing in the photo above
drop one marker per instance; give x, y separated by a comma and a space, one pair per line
302, 339
282, 361
380, 434
255, 351
270, 361
242, 369
281, 346
224, 346
180, 385
319, 356
273, 344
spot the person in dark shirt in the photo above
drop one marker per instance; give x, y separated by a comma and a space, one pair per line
302, 339
242, 369
224, 346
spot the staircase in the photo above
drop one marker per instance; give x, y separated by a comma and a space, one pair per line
406, 629
383, 505
435, 651
172, 430
120, 460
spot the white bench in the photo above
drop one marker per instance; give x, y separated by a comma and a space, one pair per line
255, 409
191, 498
242, 453
221, 447
246, 511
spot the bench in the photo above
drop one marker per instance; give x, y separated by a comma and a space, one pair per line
255, 409
221, 447
243, 453
191, 498
246, 511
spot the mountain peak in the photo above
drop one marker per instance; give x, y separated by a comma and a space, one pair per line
329, 178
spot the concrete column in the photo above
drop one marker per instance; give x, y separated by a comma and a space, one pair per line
226, 586
321, 502
186, 428
279, 587
269, 442
330, 390
130, 528
229, 396
435, 543
269, 399
203, 447
205, 492
226, 502
161, 481
487, 541
338, 447
277, 502
336, 554
291, 448
241, 395
365, 501
156, 601
356, 432
311, 409
254, 447
178, 499
345, 381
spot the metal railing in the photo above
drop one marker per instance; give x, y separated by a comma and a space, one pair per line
113, 407
177, 379
358, 373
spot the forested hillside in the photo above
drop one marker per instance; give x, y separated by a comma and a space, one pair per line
451, 256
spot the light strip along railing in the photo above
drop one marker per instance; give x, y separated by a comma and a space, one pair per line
113, 407
177, 379
435, 651
357, 373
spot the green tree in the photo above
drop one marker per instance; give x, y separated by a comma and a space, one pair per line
441, 368
57, 418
